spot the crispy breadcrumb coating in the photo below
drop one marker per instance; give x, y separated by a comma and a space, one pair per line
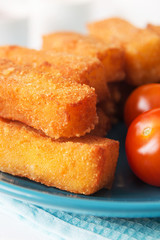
142, 58
141, 48
154, 28
83, 70
80, 165
53, 105
104, 123
112, 57
113, 30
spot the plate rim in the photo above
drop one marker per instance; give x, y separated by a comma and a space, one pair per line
105, 207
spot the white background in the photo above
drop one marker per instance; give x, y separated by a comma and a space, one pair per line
44, 16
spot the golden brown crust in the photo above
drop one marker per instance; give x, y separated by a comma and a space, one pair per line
84, 70
111, 56
73, 43
114, 64
58, 107
154, 28
141, 47
113, 107
104, 124
113, 31
80, 165
142, 58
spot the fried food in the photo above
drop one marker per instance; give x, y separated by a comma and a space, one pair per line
114, 64
80, 165
142, 58
112, 57
113, 30
104, 124
53, 105
141, 46
154, 28
84, 70
113, 107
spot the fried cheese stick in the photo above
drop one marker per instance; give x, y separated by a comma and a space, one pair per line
80, 165
154, 28
112, 57
141, 47
142, 58
113, 30
114, 106
104, 123
84, 70
55, 106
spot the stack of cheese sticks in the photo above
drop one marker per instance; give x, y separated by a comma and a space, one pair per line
130, 56
49, 121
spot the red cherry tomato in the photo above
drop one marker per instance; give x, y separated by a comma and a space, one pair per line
142, 99
143, 147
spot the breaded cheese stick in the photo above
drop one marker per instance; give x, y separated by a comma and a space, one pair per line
84, 70
104, 123
142, 55
114, 106
112, 57
80, 165
154, 28
141, 46
113, 30
55, 106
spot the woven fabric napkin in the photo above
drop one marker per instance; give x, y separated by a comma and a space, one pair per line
59, 225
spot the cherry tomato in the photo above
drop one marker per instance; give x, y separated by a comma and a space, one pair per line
143, 147
142, 99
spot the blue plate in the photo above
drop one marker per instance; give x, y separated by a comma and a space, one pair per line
129, 197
